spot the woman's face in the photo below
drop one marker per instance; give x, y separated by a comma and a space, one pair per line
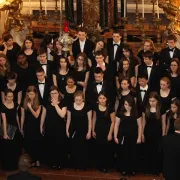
9, 42
102, 100
99, 45
127, 106
9, 97
63, 63
31, 95
80, 60
54, 94
174, 67
11, 81
28, 44
124, 84
70, 82
174, 108
126, 53
58, 45
153, 102
78, 100
164, 85
2, 61
125, 65
147, 46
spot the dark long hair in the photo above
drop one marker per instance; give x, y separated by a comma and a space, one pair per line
177, 103
156, 96
176, 60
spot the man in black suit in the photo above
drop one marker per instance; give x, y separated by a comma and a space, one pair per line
23, 174
171, 154
168, 53
82, 44
42, 86
150, 70
114, 48
96, 86
46, 65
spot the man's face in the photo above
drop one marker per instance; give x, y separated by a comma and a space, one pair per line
43, 58
40, 76
98, 77
116, 37
100, 59
21, 59
82, 36
171, 43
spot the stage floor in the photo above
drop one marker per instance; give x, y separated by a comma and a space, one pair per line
70, 174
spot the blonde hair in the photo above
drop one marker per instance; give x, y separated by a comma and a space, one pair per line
79, 93
36, 102
151, 43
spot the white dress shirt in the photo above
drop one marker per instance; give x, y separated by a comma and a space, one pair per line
115, 48
49, 56
41, 88
143, 93
149, 70
45, 68
171, 53
82, 44
99, 87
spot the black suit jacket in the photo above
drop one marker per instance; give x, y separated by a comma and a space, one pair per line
171, 156
154, 79
45, 99
23, 175
119, 53
49, 72
88, 48
165, 58
92, 94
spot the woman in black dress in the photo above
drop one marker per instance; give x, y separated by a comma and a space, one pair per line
154, 127
60, 76
30, 125
78, 127
174, 76
11, 147
127, 133
103, 127
53, 126
125, 71
172, 115
14, 86
30, 51
166, 93
70, 90
81, 72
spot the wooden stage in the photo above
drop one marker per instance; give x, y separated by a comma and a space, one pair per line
70, 174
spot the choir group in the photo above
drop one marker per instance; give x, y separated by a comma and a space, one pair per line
103, 105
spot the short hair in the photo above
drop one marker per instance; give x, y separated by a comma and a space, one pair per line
167, 80
79, 93
141, 76
172, 37
99, 53
24, 162
47, 39
42, 50
40, 70
82, 29
148, 54
6, 37
98, 70
21, 53
177, 124
117, 32
11, 75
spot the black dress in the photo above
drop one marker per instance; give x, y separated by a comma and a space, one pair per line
15, 92
55, 136
153, 135
104, 148
171, 124
127, 136
32, 58
32, 136
78, 132
11, 149
79, 76
175, 85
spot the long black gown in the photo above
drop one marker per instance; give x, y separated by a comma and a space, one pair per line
32, 136
153, 135
127, 136
55, 136
11, 149
171, 124
78, 132
104, 148
32, 58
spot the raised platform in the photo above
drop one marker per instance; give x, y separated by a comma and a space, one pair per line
70, 174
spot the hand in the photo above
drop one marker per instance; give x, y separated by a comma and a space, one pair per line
42, 130
109, 138
6, 136
29, 105
83, 84
67, 134
94, 134
54, 101
139, 140
88, 136
116, 140
142, 138
5, 45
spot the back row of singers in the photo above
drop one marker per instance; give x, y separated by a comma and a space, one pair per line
127, 127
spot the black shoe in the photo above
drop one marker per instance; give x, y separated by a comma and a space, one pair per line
103, 170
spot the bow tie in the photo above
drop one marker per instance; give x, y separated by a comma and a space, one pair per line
43, 64
143, 90
171, 49
99, 83
149, 66
40, 83
116, 45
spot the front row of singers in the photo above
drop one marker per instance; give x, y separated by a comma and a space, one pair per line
80, 131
